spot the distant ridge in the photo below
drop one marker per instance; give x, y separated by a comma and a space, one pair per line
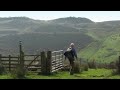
72, 20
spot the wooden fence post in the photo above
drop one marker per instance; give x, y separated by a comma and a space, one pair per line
21, 70
21, 57
59, 60
55, 60
62, 58
9, 62
22, 60
43, 63
18, 59
48, 64
21, 54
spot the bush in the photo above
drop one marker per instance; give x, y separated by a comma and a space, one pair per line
86, 67
117, 68
92, 64
19, 73
2, 70
113, 65
114, 72
77, 67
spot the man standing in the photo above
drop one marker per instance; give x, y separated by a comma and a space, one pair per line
71, 55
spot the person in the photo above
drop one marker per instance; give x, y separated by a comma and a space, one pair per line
71, 55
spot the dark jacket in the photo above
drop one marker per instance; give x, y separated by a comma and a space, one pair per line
71, 54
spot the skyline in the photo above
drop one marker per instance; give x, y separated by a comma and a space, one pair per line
96, 16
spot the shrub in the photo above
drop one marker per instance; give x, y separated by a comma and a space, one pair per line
117, 69
77, 67
118, 66
114, 72
19, 73
113, 65
2, 70
86, 67
92, 64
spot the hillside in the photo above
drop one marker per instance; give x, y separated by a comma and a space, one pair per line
71, 20
39, 34
92, 39
40, 41
106, 51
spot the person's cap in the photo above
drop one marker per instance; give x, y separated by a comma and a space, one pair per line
72, 44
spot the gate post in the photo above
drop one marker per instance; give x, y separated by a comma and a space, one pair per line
21, 55
22, 60
43, 63
48, 64
21, 70
9, 62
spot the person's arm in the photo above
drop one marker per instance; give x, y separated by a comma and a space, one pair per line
75, 54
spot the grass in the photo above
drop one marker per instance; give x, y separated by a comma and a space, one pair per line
96, 74
105, 51
5, 76
90, 74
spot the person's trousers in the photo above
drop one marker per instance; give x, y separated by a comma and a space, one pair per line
71, 66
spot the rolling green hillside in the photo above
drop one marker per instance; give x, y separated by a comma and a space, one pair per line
54, 28
39, 34
41, 41
106, 51
94, 40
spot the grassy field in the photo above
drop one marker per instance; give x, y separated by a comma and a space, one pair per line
90, 74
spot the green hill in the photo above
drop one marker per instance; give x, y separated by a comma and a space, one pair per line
40, 41
94, 40
71, 20
105, 47
39, 34
106, 51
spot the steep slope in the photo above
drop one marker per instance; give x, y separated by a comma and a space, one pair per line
54, 28
106, 51
41, 41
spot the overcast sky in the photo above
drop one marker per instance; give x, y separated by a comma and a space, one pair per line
96, 16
